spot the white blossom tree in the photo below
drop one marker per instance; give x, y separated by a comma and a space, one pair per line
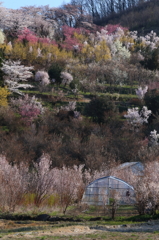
66, 78
15, 75
13, 184
140, 92
71, 107
146, 188
69, 185
41, 179
154, 136
42, 77
34, 18
136, 118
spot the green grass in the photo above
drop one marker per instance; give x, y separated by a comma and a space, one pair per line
104, 236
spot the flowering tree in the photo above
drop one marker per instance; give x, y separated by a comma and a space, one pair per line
74, 38
26, 35
154, 136
67, 78
41, 180
69, 185
146, 188
136, 117
13, 20
113, 28
119, 51
71, 108
3, 96
15, 74
140, 92
28, 107
13, 184
42, 77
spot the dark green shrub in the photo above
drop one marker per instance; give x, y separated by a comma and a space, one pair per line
55, 72
152, 100
151, 60
99, 109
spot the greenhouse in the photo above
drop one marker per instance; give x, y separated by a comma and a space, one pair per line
102, 190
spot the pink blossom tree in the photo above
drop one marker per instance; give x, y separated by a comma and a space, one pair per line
28, 107
70, 41
26, 35
111, 28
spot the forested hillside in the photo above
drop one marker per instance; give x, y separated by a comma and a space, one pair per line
142, 17
76, 99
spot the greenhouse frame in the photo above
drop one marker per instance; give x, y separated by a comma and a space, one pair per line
103, 190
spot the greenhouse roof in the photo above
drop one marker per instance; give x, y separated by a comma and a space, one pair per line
114, 178
129, 164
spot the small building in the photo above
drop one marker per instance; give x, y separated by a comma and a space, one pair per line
136, 168
102, 190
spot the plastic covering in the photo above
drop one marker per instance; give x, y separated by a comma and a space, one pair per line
103, 190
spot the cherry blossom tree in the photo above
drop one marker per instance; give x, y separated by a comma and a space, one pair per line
69, 185
13, 184
15, 75
42, 77
26, 35
28, 107
67, 78
136, 117
154, 136
13, 20
41, 180
140, 92
146, 188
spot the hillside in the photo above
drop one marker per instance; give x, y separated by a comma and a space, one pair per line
75, 102
143, 17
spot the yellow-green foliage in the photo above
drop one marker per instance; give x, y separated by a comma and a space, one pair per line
97, 53
139, 46
79, 71
52, 200
102, 52
87, 52
7, 48
29, 53
3, 96
29, 199
82, 38
127, 39
135, 45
